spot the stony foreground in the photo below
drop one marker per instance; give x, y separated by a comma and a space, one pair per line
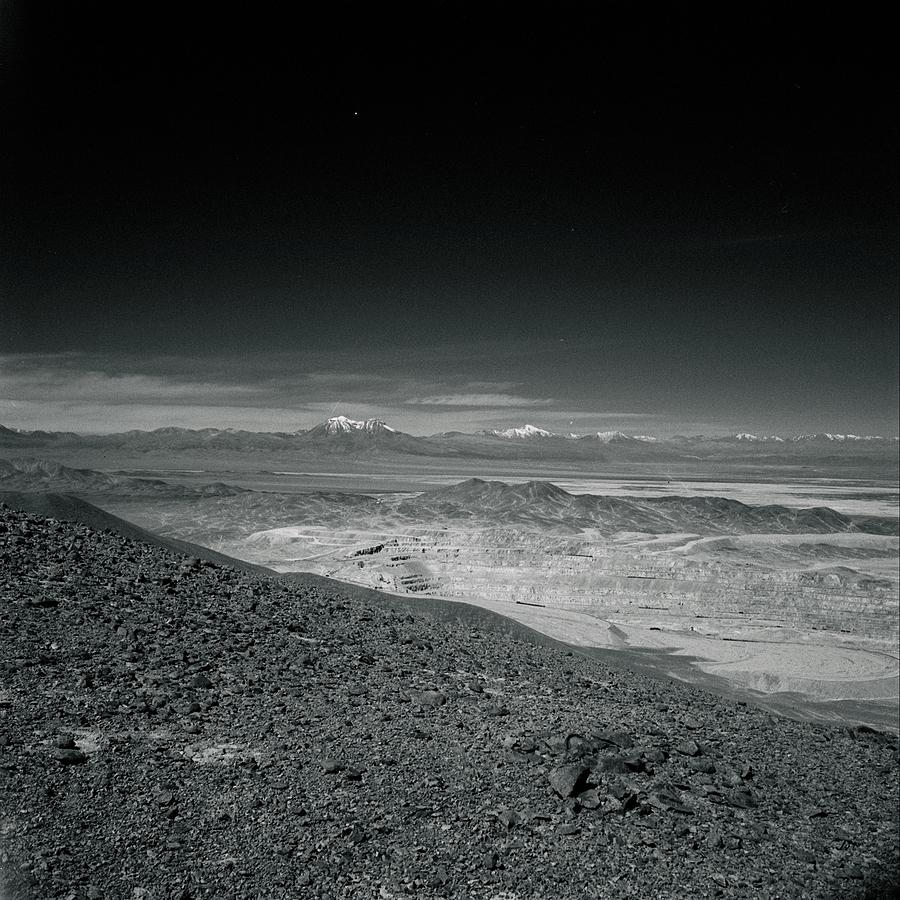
175, 729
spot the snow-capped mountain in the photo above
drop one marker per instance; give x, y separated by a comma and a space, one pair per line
523, 433
341, 435
620, 440
343, 425
606, 437
820, 437
527, 432
837, 438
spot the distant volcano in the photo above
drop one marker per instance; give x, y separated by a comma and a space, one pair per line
524, 433
340, 434
343, 425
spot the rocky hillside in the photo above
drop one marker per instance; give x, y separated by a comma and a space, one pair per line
177, 729
44, 475
546, 506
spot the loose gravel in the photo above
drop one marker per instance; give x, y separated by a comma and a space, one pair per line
171, 728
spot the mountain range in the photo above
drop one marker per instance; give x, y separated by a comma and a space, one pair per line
340, 435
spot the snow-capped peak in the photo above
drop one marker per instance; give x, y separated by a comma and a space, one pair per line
607, 436
343, 425
837, 438
648, 438
802, 438
746, 436
526, 431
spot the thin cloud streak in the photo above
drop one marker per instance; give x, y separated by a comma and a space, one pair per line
73, 378
479, 400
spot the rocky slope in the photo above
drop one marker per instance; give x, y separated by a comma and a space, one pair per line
44, 475
176, 729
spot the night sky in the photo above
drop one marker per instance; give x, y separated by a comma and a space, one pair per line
449, 215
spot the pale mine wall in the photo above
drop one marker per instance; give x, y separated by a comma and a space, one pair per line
537, 570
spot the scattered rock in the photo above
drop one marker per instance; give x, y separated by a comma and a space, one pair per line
620, 739
568, 780
356, 834
431, 698
669, 801
69, 757
688, 748
613, 765
578, 746
741, 799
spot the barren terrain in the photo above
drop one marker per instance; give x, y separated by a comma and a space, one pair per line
791, 604
176, 728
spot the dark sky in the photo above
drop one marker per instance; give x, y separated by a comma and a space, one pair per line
449, 213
